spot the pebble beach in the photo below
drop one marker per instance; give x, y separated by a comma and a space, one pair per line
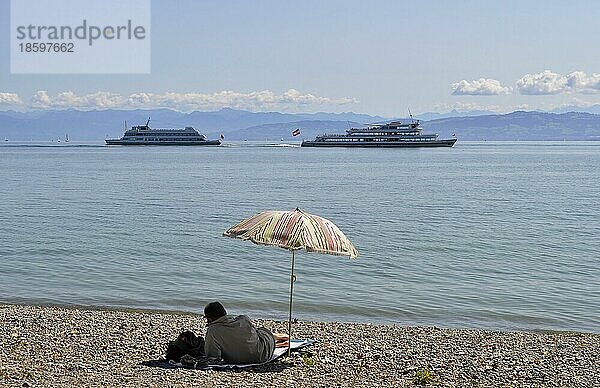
84, 347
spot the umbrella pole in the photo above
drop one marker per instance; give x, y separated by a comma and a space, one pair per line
292, 280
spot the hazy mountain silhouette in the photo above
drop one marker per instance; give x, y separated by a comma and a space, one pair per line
96, 125
239, 125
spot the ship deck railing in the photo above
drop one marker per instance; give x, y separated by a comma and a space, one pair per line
384, 129
341, 136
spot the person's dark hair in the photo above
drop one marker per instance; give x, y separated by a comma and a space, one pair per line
214, 310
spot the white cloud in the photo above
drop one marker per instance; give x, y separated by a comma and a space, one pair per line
41, 98
584, 83
465, 107
256, 101
10, 99
480, 87
100, 100
546, 82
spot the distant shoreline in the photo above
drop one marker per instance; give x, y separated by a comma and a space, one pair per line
142, 310
51, 346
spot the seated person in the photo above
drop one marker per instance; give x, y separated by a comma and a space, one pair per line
235, 340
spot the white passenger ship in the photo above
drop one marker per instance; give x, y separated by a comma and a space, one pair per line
144, 135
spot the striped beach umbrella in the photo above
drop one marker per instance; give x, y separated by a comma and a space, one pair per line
293, 230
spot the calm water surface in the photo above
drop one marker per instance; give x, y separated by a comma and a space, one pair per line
490, 235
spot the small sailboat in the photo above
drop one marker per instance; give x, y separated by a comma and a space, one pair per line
66, 137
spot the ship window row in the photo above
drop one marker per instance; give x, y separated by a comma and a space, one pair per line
171, 134
385, 133
367, 132
346, 140
163, 139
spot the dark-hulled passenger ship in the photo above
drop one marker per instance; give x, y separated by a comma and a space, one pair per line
392, 134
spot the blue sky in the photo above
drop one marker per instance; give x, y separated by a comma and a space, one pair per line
377, 57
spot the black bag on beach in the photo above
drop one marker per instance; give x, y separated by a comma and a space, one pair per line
186, 343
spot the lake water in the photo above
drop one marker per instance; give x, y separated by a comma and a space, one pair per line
488, 235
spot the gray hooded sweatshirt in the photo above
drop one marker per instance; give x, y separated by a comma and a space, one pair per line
237, 341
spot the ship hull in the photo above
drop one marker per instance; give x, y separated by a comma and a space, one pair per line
163, 143
380, 144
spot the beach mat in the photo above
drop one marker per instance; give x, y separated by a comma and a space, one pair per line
295, 345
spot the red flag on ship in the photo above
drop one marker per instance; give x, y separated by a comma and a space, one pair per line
296, 132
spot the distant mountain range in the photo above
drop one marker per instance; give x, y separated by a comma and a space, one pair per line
521, 126
240, 125
233, 124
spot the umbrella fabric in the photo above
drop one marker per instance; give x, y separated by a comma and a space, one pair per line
294, 230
